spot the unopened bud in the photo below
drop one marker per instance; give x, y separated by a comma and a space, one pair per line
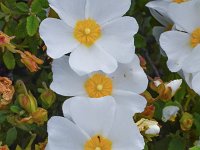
40, 116
148, 112
149, 127
27, 102
47, 97
186, 121
4, 147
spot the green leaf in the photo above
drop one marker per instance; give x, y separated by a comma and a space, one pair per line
5, 9
195, 148
176, 144
32, 25
36, 6
11, 136
9, 60
22, 7
21, 29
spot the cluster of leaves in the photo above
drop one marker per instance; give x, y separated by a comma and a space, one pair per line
21, 18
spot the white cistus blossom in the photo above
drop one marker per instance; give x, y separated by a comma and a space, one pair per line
183, 47
125, 84
93, 31
160, 11
170, 113
97, 125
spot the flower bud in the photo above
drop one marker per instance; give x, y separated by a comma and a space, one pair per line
186, 121
27, 102
30, 61
148, 112
5, 42
4, 147
40, 116
170, 113
149, 127
165, 90
47, 97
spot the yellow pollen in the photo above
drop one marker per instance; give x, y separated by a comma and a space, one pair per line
98, 143
179, 1
87, 32
195, 38
98, 85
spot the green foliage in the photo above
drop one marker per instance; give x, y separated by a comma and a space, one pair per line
9, 60
32, 25
11, 136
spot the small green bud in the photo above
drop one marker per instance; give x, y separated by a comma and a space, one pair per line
27, 102
47, 97
186, 121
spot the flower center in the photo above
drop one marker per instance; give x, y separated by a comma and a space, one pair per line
98, 86
195, 38
179, 1
98, 143
87, 32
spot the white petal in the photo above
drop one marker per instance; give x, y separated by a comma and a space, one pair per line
132, 102
153, 129
130, 77
168, 112
177, 47
66, 109
160, 6
174, 85
65, 81
106, 10
69, 11
193, 61
186, 15
196, 82
159, 10
94, 116
87, 60
188, 77
117, 38
124, 133
64, 135
58, 37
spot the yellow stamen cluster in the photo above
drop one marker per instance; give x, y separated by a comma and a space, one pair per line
98, 143
98, 85
195, 38
179, 1
87, 32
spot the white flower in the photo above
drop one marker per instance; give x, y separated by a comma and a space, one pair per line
160, 11
97, 125
94, 31
149, 127
170, 113
182, 48
125, 84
